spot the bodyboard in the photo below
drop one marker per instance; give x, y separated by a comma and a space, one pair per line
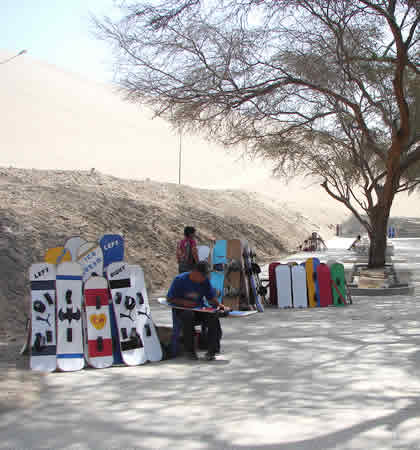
339, 291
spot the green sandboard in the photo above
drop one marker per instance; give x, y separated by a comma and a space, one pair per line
338, 277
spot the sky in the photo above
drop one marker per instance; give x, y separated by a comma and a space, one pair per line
58, 32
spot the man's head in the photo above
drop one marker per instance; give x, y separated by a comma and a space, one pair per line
200, 272
189, 232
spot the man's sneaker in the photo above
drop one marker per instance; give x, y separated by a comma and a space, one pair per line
192, 356
209, 356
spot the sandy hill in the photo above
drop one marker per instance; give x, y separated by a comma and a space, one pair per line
41, 209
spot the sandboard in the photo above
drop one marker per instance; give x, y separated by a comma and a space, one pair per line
144, 323
299, 290
112, 246
233, 271
338, 281
57, 255
251, 277
284, 286
43, 342
70, 355
272, 282
219, 260
206, 309
98, 327
125, 310
90, 258
203, 252
72, 245
324, 282
311, 280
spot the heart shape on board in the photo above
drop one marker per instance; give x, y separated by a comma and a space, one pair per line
98, 320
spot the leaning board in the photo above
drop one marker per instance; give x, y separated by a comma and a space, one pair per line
284, 286
300, 294
43, 335
70, 355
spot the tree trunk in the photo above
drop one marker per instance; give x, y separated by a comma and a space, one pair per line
378, 237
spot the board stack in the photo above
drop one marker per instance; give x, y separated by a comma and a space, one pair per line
309, 284
89, 307
235, 275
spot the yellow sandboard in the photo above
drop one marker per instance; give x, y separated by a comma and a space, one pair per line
310, 283
57, 255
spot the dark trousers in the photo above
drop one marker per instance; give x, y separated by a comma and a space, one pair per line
210, 322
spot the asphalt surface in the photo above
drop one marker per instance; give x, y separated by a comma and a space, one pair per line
321, 378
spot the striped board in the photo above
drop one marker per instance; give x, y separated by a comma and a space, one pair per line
125, 311
112, 246
70, 354
91, 259
299, 290
72, 245
57, 255
144, 324
98, 328
284, 286
324, 282
43, 343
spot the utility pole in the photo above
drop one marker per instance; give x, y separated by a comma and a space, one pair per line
180, 154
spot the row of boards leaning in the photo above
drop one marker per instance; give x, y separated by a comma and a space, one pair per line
235, 274
89, 306
309, 284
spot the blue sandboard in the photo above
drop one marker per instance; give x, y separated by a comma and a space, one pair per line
112, 246
219, 260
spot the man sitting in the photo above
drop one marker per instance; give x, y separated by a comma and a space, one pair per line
188, 290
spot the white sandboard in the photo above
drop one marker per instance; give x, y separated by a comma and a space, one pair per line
300, 294
144, 325
98, 337
206, 309
72, 245
284, 286
43, 334
203, 252
125, 310
91, 259
70, 354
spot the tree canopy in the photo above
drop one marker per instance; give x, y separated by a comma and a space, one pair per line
329, 88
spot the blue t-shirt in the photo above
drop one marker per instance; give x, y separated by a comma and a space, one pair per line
183, 287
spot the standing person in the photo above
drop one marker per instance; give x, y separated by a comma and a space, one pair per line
188, 290
186, 251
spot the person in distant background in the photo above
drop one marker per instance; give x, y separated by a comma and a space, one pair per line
355, 242
186, 251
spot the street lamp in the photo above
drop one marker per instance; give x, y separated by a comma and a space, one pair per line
13, 57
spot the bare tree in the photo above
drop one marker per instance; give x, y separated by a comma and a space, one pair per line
329, 88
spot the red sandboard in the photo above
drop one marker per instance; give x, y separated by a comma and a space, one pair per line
324, 282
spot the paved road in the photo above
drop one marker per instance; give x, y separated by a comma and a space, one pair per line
335, 378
